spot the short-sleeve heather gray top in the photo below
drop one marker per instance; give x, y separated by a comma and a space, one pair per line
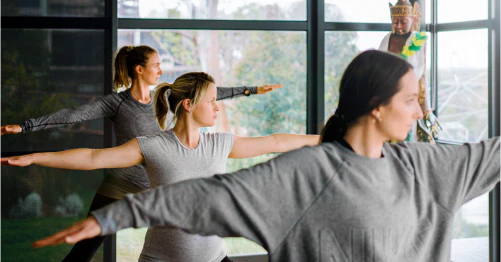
168, 161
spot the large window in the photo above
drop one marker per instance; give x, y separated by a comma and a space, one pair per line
462, 107
44, 71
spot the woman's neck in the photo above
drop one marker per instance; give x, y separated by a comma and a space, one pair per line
365, 139
140, 92
187, 131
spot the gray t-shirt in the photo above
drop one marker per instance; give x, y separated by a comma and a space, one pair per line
326, 203
168, 161
130, 119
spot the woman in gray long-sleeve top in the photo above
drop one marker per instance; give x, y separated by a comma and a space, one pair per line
354, 197
131, 113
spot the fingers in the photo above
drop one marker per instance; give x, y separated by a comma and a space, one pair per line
267, 88
5, 161
10, 129
84, 229
25, 160
57, 238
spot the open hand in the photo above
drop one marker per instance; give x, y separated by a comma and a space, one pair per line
11, 129
84, 229
267, 88
24, 160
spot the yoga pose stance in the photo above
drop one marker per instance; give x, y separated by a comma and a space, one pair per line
180, 153
131, 112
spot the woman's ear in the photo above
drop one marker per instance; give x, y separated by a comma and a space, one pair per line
187, 105
376, 114
139, 70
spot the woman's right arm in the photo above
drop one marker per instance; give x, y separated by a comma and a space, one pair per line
128, 154
105, 107
260, 203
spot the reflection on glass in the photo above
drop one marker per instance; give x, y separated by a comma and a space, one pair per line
367, 11
449, 11
214, 9
44, 71
60, 8
462, 110
233, 58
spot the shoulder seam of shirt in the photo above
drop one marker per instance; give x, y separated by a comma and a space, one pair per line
427, 191
307, 208
118, 107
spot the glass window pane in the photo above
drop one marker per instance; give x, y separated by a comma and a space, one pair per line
214, 9
463, 114
234, 58
59, 8
463, 85
43, 71
365, 11
340, 49
461, 10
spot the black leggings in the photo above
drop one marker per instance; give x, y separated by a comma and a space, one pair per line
85, 249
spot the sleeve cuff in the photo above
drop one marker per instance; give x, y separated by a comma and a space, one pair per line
26, 126
114, 217
253, 89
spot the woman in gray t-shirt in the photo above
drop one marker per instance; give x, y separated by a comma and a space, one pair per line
354, 197
177, 154
131, 112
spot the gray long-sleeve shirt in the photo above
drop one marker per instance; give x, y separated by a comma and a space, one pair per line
130, 119
326, 203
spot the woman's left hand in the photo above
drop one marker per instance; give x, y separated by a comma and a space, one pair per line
87, 228
267, 88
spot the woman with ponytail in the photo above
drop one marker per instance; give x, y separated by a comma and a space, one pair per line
131, 112
180, 153
354, 197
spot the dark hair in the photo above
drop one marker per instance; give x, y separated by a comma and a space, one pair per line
190, 86
128, 57
370, 80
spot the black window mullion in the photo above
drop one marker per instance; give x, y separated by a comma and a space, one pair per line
110, 244
315, 47
494, 119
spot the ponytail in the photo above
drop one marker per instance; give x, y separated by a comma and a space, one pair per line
122, 77
161, 103
334, 129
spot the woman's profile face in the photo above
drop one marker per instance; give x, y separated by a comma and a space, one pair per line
152, 70
399, 115
205, 113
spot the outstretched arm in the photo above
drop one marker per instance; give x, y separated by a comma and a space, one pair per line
261, 203
128, 154
245, 147
231, 92
104, 107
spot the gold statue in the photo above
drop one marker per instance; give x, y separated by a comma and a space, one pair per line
406, 41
